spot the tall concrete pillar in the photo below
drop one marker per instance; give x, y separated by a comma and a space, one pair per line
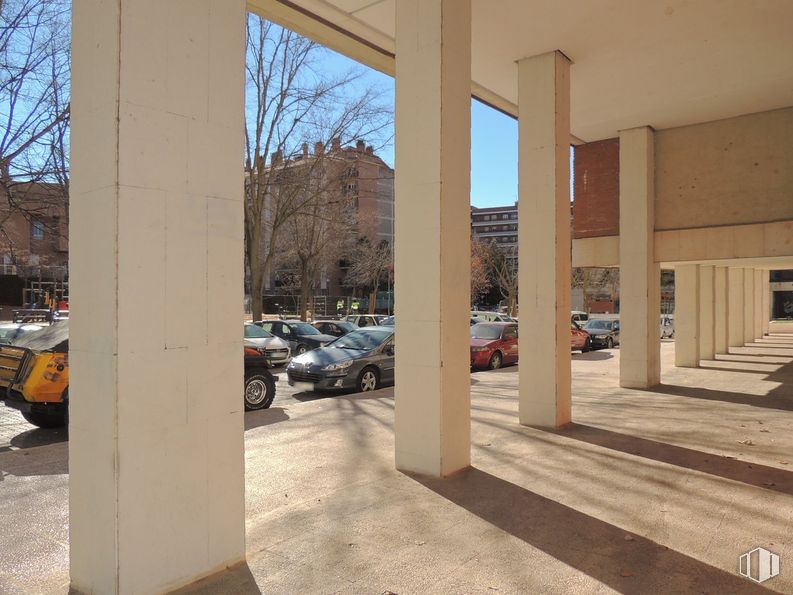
748, 306
766, 302
544, 396
720, 321
157, 492
433, 74
759, 313
707, 312
687, 300
640, 275
735, 307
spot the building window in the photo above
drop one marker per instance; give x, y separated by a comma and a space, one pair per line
36, 230
505, 216
487, 218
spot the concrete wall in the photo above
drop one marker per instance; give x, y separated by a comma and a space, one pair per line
727, 172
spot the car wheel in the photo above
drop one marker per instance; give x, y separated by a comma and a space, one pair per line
45, 420
301, 349
587, 345
495, 361
609, 343
672, 335
368, 380
259, 389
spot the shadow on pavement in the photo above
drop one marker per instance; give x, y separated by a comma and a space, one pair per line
264, 417
39, 437
594, 356
236, 579
631, 564
769, 478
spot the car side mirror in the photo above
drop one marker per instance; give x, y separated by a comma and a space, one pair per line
390, 350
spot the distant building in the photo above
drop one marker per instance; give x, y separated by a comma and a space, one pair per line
367, 180
496, 224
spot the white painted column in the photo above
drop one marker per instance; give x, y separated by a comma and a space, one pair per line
433, 230
157, 491
766, 302
720, 323
640, 275
707, 313
735, 307
748, 306
687, 315
759, 313
544, 395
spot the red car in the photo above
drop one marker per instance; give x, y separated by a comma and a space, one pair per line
579, 339
494, 344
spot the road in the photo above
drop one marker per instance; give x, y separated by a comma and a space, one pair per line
16, 433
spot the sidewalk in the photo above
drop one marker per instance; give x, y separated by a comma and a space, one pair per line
647, 492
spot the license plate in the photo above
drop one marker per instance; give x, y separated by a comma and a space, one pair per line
304, 385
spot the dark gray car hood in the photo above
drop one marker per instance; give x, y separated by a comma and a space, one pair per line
329, 355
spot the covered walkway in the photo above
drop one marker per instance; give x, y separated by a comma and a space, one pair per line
648, 491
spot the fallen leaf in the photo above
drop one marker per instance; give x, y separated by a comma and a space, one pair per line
420, 542
747, 442
626, 573
783, 463
764, 430
629, 538
769, 483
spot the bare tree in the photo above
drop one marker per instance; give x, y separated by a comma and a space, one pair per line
502, 264
34, 112
480, 279
291, 102
370, 266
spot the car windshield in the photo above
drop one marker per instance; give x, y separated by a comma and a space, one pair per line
364, 339
388, 321
52, 338
347, 327
484, 330
595, 325
303, 328
256, 332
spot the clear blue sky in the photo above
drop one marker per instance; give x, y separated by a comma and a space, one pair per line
494, 140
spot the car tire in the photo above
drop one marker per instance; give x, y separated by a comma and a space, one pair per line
609, 343
259, 389
45, 420
368, 380
587, 345
495, 361
300, 349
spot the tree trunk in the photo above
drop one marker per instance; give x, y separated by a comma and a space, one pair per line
372, 300
305, 284
253, 252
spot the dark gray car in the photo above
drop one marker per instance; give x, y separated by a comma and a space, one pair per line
603, 332
362, 360
300, 335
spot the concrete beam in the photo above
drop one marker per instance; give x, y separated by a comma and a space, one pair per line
156, 461
432, 394
640, 274
735, 312
687, 328
544, 239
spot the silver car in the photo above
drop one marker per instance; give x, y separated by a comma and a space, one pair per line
275, 349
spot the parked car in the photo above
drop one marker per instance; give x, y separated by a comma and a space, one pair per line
603, 332
39, 386
667, 327
364, 320
362, 360
14, 330
334, 328
300, 336
274, 348
388, 321
494, 344
579, 339
482, 316
579, 316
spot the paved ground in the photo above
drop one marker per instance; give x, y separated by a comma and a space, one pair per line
648, 492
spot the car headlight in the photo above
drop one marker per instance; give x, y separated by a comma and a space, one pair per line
338, 366
480, 349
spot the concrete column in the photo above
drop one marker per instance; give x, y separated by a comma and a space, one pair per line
544, 396
759, 313
766, 302
707, 313
735, 307
433, 230
720, 322
687, 300
640, 275
157, 492
748, 306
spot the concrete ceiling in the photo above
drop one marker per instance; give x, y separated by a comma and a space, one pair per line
635, 62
